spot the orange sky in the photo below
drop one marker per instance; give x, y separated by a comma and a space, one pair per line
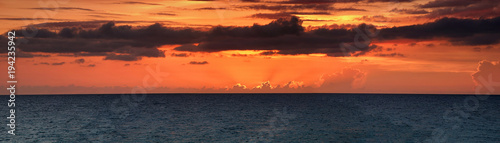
439, 64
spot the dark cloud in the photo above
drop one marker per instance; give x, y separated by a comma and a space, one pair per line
116, 42
463, 8
318, 1
198, 63
211, 8
137, 2
458, 31
285, 14
33, 19
88, 24
394, 1
250, 0
288, 7
448, 3
57, 64
338, 1
79, 61
268, 53
164, 14
285, 35
348, 9
62, 8
410, 11
122, 57
180, 55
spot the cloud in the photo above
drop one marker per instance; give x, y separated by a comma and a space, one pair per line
211, 8
391, 55
285, 14
410, 11
79, 61
62, 8
137, 2
318, 1
57, 64
463, 8
198, 63
122, 57
302, 7
164, 14
32, 19
345, 80
457, 31
447, 3
285, 35
487, 77
376, 18
180, 55
116, 42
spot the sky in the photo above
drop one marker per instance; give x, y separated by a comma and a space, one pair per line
254, 46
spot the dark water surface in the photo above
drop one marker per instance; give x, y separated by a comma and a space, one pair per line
254, 118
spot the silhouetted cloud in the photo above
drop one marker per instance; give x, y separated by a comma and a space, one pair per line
463, 8
410, 11
285, 35
57, 64
180, 55
164, 14
288, 7
80, 61
447, 3
137, 2
123, 42
458, 31
62, 8
198, 63
285, 14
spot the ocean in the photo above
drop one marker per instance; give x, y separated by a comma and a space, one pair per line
254, 118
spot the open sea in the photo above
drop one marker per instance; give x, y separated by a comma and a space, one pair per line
254, 118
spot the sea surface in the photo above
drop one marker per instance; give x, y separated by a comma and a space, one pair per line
254, 118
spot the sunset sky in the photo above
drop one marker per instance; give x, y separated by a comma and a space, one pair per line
256, 46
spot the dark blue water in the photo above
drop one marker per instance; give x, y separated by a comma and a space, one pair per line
254, 118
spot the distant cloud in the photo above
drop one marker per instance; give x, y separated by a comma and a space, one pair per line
288, 7
391, 55
38, 19
60, 63
487, 77
285, 14
198, 63
62, 8
137, 2
377, 18
164, 14
80, 61
345, 80
410, 11
211, 8
180, 55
